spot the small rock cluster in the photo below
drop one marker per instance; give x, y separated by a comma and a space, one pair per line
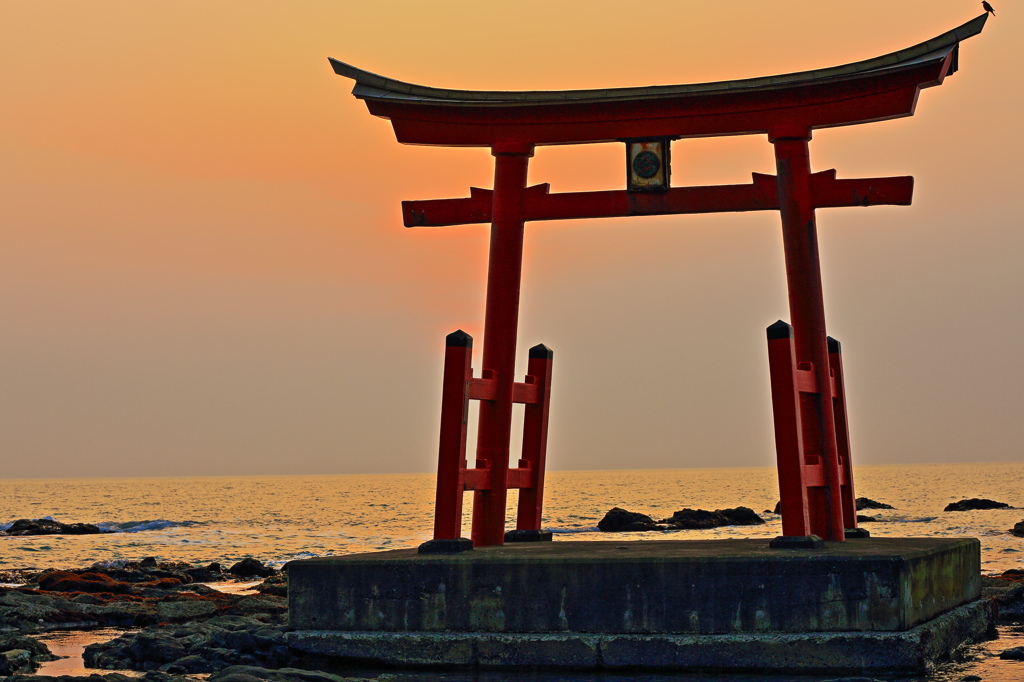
619, 520
975, 503
23, 527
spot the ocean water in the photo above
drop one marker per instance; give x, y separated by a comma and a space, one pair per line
279, 518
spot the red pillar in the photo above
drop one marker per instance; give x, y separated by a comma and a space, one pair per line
535, 440
806, 306
451, 458
504, 273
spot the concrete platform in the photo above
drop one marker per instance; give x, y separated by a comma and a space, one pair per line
881, 604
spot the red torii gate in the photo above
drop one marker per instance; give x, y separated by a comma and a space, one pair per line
808, 395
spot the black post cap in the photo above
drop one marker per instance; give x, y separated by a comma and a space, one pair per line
779, 330
834, 346
446, 546
541, 352
528, 536
797, 542
458, 338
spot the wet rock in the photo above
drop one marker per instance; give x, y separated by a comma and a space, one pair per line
867, 503
152, 676
1018, 529
249, 567
259, 605
1011, 603
690, 519
20, 654
155, 648
245, 673
778, 508
194, 648
975, 503
24, 527
276, 586
619, 520
148, 562
861, 518
190, 609
1014, 654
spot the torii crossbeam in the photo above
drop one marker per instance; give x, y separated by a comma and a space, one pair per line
808, 392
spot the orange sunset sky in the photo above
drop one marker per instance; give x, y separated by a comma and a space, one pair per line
203, 268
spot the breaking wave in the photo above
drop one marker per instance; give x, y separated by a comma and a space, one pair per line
557, 531
140, 526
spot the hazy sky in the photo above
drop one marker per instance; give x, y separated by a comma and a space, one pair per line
203, 268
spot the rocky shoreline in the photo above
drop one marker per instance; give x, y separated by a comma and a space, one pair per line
178, 625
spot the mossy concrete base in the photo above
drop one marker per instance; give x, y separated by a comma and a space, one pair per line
890, 603
831, 653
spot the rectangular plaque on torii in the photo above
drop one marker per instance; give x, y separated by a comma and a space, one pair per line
808, 389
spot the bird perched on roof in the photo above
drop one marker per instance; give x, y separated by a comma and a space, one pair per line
987, 7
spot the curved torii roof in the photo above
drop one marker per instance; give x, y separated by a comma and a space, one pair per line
875, 89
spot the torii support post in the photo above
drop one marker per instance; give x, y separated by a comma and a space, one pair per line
454, 477
504, 274
803, 483
806, 307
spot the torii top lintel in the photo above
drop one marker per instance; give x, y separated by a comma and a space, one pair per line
876, 89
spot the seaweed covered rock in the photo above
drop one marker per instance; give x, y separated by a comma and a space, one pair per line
975, 503
619, 520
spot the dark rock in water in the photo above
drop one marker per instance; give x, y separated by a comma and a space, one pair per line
975, 503
618, 520
252, 567
1014, 654
867, 503
741, 516
23, 527
778, 508
866, 519
1018, 529
148, 562
695, 519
